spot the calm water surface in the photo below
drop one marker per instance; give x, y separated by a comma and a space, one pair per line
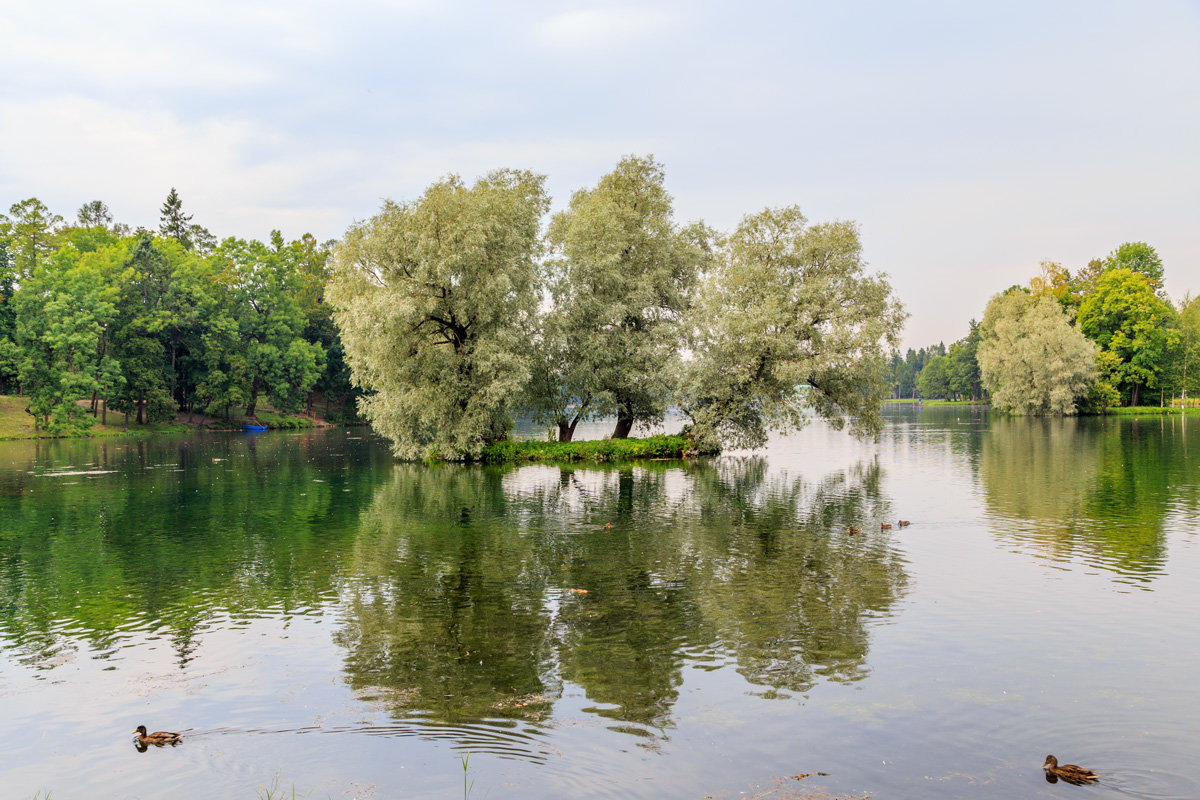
312, 614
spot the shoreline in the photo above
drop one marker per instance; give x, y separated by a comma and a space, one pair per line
16, 424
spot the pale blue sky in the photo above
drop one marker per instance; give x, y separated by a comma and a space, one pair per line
970, 141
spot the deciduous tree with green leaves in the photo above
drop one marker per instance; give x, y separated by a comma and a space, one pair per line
935, 378
1030, 357
30, 232
263, 286
1186, 353
436, 300
224, 374
94, 214
1137, 257
1053, 279
964, 365
789, 323
10, 354
623, 275
1128, 320
64, 310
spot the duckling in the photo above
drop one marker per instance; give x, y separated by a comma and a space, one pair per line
885, 526
608, 526
158, 737
854, 530
904, 523
1071, 773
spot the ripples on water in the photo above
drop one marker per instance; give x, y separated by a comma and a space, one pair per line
306, 607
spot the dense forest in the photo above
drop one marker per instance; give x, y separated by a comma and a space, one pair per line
96, 316
1103, 336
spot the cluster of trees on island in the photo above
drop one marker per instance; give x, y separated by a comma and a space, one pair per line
95, 316
1104, 336
462, 309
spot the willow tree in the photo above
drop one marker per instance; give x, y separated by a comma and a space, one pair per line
435, 300
622, 277
1031, 359
789, 323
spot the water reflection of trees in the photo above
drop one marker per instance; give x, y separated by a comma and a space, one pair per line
453, 584
1097, 489
790, 598
445, 607
165, 534
462, 603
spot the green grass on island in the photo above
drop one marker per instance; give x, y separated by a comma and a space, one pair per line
594, 450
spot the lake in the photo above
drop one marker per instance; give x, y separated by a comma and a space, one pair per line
312, 615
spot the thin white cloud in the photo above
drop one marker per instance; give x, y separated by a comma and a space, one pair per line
242, 178
601, 28
71, 149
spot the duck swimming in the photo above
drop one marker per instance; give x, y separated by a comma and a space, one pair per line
158, 737
1071, 773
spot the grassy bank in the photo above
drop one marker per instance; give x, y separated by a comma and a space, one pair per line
16, 423
595, 450
1151, 411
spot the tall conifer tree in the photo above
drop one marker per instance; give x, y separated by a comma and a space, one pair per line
174, 222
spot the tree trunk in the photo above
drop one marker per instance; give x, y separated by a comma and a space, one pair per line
140, 404
104, 411
566, 431
624, 423
1135, 395
253, 399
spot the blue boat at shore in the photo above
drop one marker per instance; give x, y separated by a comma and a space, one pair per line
248, 427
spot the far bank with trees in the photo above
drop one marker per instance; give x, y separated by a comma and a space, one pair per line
1102, 338
95, 316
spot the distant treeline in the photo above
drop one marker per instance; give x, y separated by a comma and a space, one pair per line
938, 372
95, 315
1103, 336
